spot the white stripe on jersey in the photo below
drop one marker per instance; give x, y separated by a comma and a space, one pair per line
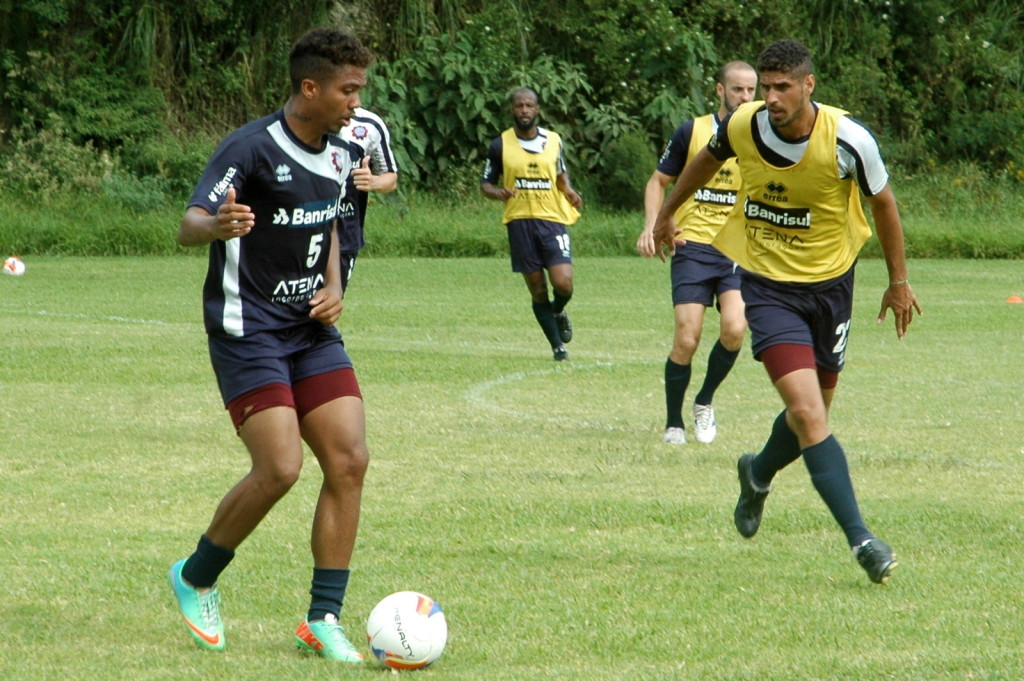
232, 293
857, 152
377, 142
318, 164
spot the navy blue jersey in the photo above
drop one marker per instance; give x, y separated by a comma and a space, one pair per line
673, 159
264, 280
369, 136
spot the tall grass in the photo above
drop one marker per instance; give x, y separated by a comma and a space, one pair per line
533, 500
953, 212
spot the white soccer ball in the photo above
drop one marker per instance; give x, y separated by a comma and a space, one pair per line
406, 630
14, 267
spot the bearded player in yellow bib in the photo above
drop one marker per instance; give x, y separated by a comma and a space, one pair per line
539, 203
795, 231
700, 273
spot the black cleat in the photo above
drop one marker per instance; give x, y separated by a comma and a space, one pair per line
561, 354
564, 326
751, 503
877, 559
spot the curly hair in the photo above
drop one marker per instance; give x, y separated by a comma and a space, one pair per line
786, 56
319, 52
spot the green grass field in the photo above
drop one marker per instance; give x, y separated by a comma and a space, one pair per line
533, 500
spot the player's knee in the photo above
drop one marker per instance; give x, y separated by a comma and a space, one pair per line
347, 465
806, 417
277, 478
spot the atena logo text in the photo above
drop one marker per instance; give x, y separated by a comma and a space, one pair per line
307, 215
540, 183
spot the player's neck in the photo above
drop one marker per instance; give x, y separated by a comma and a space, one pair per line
303, 126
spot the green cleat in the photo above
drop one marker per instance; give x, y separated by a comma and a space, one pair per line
327, 639
200, 608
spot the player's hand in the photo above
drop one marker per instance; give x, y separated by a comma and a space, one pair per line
666, 234
645, 243
233, 219
326, 306
901, 300
363, 176
575, 200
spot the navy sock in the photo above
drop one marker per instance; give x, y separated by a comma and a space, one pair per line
677, 379
203, 568
782, 449
720, 363
546, 318
558, 305
830, 474
327, 592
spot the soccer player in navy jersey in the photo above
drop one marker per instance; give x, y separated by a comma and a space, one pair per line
795, 231
267, 207
700, 273
375, 171
529, 163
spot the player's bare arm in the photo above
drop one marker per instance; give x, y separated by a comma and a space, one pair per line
898, 296
563, 184
695, 175
654, 197
327, 303
366, 181
232, 220
496, 193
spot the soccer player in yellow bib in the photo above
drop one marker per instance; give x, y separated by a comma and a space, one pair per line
539, 203
700, 273
795, 231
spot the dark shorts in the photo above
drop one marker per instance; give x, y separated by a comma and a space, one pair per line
537, 244
700, 273
817, 315
250, 362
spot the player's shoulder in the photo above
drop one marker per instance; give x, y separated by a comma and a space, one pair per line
369, 117
854, 131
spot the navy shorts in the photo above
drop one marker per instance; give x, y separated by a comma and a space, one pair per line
348, 266
700, 273
250, 362
537, 244
815, 314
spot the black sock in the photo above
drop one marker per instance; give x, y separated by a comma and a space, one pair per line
203, 568
677, 379
782, 449
328, 592
830, 474
546, 318
558, 305
720, 363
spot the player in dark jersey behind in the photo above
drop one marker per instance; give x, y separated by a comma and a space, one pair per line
539, 203
267, 208
700, 273
796, 230
375, 170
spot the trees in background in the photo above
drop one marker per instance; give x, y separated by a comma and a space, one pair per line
129, 98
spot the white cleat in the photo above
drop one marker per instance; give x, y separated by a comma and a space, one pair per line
706, 430
674, 436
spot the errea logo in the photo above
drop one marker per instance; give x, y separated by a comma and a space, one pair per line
284, 173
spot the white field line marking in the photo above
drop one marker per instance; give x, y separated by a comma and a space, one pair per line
478, 395
96, 318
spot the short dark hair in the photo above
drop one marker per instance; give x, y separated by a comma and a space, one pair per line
318, 53
786, 56
521, 90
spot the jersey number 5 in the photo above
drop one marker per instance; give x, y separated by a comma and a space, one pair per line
315, 249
